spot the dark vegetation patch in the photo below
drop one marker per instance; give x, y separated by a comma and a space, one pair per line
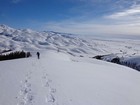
4, 51
15, 55
100, 57
118, 60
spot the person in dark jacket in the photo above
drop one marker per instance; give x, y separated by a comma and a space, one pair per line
38, 55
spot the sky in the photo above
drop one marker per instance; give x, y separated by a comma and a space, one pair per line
83, 17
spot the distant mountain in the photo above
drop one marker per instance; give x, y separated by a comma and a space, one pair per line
30, 40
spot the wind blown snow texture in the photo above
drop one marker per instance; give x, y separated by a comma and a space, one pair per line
61, 77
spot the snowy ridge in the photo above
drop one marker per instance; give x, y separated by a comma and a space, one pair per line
56, 81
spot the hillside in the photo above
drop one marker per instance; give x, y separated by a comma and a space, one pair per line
56, 79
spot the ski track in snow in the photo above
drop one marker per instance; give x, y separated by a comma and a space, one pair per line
27, 95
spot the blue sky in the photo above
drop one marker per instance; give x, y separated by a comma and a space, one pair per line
85, 17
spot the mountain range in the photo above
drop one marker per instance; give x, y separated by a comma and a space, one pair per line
30, 40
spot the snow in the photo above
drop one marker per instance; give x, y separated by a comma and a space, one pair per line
67, 74
56, 79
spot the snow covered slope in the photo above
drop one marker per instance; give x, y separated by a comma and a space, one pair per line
26, 39
55, 79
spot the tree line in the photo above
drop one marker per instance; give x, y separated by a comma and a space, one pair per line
15, 55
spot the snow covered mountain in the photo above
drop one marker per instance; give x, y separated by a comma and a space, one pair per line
26, 39
29, 40
67, 74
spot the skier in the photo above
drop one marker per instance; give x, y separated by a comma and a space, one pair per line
38, 55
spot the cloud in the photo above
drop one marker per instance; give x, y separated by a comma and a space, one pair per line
132, 13
125, 22
90, 28
118, 8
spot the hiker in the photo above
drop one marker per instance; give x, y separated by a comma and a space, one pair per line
38, 55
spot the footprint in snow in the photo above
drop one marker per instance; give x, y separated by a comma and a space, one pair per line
52, 90
50, 98
26, 96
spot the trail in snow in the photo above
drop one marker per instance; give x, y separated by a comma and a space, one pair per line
50, 97
28, 94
